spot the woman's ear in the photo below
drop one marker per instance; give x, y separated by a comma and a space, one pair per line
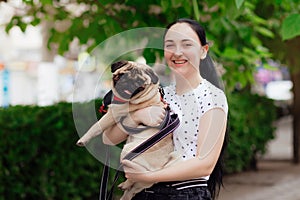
204, 50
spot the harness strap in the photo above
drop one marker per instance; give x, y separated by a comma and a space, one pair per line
170, 126
132, 130
105, 175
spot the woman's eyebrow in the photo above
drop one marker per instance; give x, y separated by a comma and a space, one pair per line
184, 40
187, 40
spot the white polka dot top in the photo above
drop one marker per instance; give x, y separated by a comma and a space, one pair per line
190, 107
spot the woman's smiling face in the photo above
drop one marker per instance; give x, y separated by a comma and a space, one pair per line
183, 49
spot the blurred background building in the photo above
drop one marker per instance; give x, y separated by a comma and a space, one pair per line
25, 79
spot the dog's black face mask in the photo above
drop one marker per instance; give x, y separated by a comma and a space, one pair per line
130, 82
126, 86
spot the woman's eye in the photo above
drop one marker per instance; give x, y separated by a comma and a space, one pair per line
188, 44
169, 45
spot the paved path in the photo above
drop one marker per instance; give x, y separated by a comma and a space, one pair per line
273, 180
277, 177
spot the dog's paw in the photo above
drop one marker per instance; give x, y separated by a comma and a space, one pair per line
80, 143
126, 185
125, 198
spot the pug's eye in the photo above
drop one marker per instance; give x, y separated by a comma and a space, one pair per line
117, 77
139, 89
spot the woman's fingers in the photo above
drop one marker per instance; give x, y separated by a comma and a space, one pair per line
132, 167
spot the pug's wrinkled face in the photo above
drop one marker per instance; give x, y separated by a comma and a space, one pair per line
130, 78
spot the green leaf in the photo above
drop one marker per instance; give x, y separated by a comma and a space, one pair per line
46, 2
231, 53
149, 55
290, 27
22, 26
176, 3
255, 41
196, 10
165, 4
105, 2
62, 14
238, 3
231, 10
64, 45
264, 32
269, 67
257, 20
36, 22
9, 26
226, 24
187, 8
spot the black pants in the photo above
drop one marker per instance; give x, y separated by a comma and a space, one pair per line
163, 192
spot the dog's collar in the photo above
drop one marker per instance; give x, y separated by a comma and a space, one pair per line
118, 100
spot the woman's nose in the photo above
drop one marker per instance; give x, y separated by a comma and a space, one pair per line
178, 51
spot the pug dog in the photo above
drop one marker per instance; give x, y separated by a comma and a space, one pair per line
134, 86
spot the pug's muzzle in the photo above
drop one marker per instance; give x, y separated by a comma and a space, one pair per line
126, 87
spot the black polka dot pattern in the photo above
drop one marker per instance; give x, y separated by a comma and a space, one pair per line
190, 107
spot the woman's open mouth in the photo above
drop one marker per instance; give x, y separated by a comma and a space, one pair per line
179, 62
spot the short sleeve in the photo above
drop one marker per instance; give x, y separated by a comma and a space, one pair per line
212, 97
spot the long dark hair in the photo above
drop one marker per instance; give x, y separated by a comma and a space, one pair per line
208, 71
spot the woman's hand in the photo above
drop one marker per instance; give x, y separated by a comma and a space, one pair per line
136, 172
150, 116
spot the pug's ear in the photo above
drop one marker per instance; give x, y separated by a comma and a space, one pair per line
153, 76
118, 65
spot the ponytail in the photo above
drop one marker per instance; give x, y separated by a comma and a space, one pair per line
208, 72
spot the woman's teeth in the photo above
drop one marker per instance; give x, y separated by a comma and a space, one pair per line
179, 61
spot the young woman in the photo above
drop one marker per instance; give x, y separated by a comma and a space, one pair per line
202, 109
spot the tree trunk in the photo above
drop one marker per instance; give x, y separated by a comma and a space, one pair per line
293, 59
47, 54
296, 117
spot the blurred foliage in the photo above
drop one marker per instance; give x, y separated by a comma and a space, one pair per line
236, 29
232, 27
39, 158
249, 131
283, 18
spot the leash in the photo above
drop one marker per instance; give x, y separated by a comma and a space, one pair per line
171, 123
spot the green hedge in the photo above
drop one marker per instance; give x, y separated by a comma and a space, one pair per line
251, 127
39, 158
